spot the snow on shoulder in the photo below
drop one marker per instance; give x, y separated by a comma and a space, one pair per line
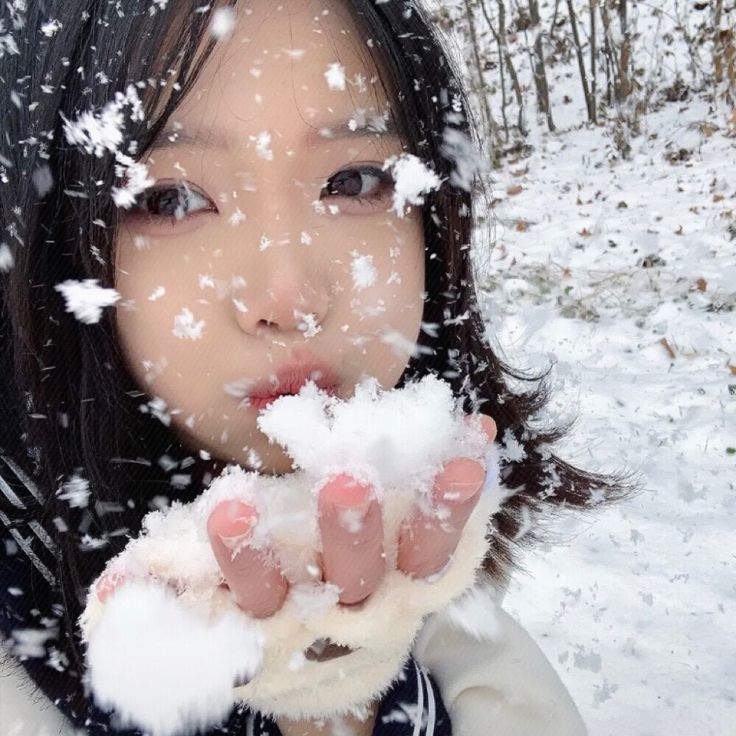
183, 674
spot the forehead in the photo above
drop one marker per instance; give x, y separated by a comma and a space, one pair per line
298, 70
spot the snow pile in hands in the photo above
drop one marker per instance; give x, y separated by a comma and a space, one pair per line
395, 440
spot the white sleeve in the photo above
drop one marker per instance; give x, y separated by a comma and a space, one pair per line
24, 709
499, 683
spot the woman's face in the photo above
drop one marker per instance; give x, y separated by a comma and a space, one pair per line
269, 269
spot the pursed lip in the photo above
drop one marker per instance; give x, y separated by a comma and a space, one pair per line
288, 380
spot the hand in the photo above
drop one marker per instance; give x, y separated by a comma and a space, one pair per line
352, 537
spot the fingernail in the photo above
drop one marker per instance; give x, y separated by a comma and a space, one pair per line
349, 500
239, 521
489, 427
351, 517
459, 492
236, 542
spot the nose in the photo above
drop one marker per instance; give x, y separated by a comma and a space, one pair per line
285, 295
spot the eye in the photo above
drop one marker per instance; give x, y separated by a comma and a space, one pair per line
368, 185
171, 199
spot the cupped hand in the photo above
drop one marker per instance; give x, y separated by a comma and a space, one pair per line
352, 537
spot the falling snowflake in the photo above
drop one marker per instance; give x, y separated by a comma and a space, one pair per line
205, 281
101, 132
363, 271
158, 408
412, 178
186, 328
51, 27
335, 76
459, 148
6, 257
30, 642
86, 299
402, 346
223, 22
237, 217
43, 180
307, 323
75, 491
263, 145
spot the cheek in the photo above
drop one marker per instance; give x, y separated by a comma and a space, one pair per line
391, 271
155, 290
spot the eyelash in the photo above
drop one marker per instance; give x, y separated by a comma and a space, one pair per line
185, 192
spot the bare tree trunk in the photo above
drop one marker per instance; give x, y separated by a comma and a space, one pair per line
500, 38
554, 17
608, 52
581, 62
624, 64
504, 101
593, 53
724, 55
717, 44
540, 72
491, 125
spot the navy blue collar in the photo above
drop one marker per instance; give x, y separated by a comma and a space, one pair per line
412, 707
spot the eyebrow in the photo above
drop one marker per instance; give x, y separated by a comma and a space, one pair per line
217, 138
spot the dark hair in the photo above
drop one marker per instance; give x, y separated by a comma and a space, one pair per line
71, 405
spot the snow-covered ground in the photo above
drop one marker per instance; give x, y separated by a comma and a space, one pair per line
624, 274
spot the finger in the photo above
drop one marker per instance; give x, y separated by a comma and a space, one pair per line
352, 538
427, 541
256, 583
108, 584
488, 425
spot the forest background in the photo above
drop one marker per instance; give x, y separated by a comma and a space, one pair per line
610, 140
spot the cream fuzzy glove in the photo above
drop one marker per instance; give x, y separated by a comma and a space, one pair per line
147, 664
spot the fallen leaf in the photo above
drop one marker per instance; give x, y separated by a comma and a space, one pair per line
732, 124
718, 197
585, 232
515, 189
732, 368
622, 205
702, 284
520, 172
663, 342
521, 226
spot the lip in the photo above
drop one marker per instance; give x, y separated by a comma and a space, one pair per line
289, 379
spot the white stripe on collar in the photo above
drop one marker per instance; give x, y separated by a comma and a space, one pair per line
419, 714
431, 706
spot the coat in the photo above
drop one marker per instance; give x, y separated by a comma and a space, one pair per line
502, 686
